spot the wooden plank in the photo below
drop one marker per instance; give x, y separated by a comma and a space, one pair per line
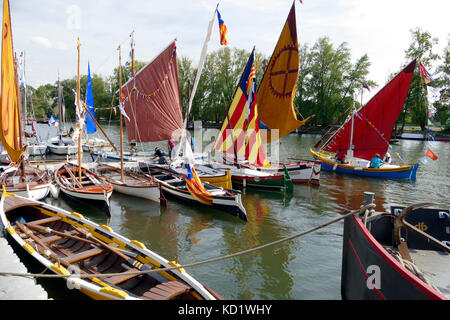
82, 255
45, 220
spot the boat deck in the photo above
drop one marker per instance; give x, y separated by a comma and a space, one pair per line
434, 265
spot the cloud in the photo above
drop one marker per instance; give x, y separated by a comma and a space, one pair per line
42, 41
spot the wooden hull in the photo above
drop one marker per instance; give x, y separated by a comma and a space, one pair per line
250, 178
36, 185
370, 272
92, 189
303, 171
133, 185
61, 241
398, 172
223, 200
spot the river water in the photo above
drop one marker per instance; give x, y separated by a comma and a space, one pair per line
302, 269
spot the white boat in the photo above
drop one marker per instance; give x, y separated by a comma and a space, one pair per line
133, 184
62, 146
33, 183
36, 149
92, 189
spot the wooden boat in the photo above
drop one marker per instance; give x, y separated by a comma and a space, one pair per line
62, 242
368, 132
174, 185
133, 184
301, 171
401, 255
20, 176
361, 167
91, 189
243, 177
32, 183
219, 178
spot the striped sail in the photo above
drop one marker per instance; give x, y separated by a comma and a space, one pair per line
240, 133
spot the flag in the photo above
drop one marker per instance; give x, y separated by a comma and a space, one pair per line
425, 74
240, 128
52, 122
301, 1
365, 85
90, 123
22, 81
223, 30
430, 154
196, 187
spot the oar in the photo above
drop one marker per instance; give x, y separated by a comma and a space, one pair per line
133, 262
63, 234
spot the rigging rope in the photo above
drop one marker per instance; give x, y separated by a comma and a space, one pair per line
300, 234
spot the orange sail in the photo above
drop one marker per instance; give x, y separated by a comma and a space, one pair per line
9, 112
277, 89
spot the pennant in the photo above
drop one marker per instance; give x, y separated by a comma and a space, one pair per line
366, 86
430, 154
425, 74
196, 187
223, 30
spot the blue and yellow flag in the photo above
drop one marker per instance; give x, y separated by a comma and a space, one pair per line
223, 30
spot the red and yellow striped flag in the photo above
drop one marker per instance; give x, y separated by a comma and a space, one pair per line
196, 187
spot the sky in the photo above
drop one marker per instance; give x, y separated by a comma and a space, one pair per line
47, 30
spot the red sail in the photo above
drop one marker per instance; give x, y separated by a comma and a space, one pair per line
374, 122
152, 101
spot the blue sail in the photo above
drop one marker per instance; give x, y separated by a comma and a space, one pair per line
90, 123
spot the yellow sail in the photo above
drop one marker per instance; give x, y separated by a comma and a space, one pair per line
9, 113
277, 89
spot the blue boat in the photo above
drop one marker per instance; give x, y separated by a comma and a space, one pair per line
366, 135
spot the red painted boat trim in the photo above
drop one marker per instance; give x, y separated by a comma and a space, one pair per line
364, 271
408, 275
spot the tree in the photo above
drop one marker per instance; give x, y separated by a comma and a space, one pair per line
416, 104
443, 104
328, 80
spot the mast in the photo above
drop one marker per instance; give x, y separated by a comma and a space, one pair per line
25, 90
78, 106
350, 148
120, 114
60, 107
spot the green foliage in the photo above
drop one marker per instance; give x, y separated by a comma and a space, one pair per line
416, 104
329, 84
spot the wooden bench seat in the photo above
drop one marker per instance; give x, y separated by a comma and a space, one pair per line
167, 290
53, 238
46, 220
82, 255
122, 277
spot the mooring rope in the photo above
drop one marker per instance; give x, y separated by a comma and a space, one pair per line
92, 275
